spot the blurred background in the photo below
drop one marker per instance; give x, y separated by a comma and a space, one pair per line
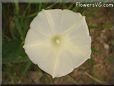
17, 67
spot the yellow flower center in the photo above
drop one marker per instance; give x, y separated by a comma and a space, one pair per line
57, 40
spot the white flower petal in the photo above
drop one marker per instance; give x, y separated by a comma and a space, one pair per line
55, 16
81, 39
41, 24
69, 19
33, 37
78, 55
64, 64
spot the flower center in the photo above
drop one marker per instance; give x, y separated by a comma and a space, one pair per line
57, 40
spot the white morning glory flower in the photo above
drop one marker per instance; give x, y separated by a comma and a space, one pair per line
58, 41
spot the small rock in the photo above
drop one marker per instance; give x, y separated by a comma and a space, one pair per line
35, 76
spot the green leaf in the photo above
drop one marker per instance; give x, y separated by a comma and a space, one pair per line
19, 27
93, 26
13, 52
51, 6
107, 25
95, 50
16, 7
27, 9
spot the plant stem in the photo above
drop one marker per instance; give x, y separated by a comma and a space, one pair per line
95, 79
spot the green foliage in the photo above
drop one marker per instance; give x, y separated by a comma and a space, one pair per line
95, 50
13, 52
92, 26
